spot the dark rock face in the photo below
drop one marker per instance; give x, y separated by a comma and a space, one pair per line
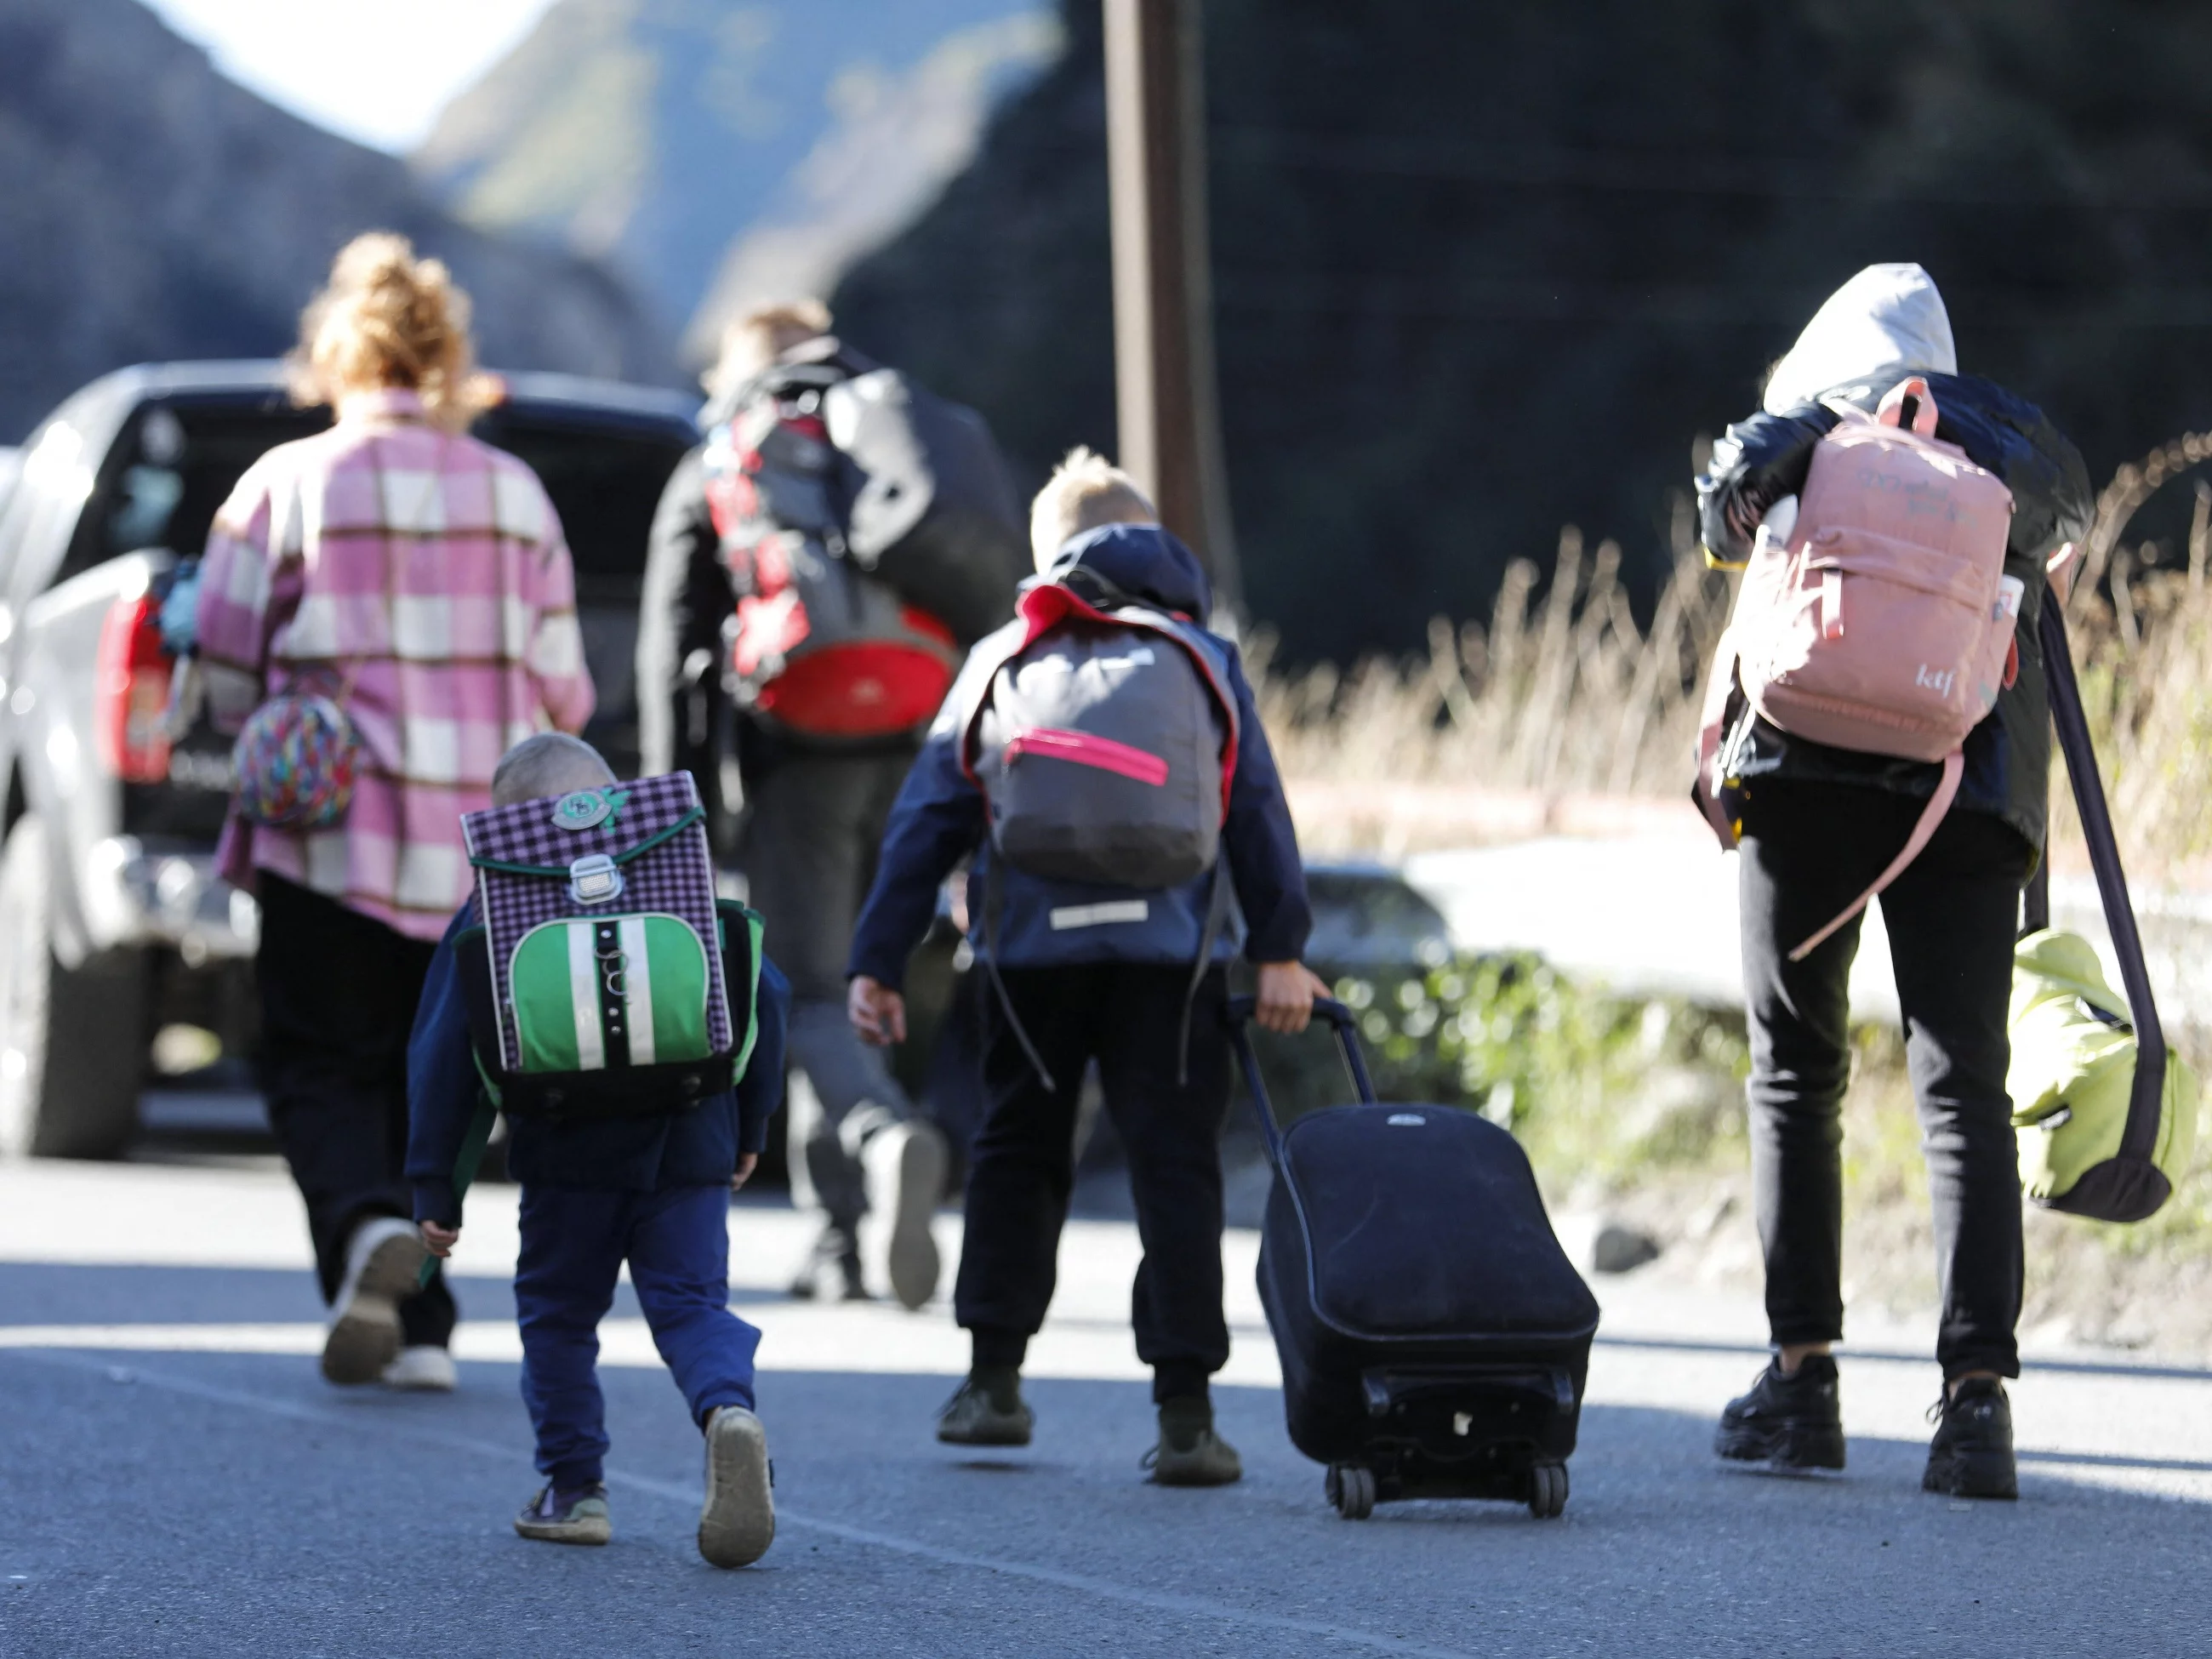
150, 209
1483, 270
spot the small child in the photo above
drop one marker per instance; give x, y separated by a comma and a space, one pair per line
1117, 983
652, 1191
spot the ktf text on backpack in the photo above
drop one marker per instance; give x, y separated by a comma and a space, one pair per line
1882, 621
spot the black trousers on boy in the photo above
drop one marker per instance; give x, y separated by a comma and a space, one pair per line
1808, 849
339, 991
1126, 1016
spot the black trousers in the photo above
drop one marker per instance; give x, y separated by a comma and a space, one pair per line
1809, 848
339, 991
1126, 1016
813, 823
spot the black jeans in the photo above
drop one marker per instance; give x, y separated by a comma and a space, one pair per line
1126, 1016
1808, 849
339, 991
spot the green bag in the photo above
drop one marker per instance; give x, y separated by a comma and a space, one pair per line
610, 1013
2073, 1076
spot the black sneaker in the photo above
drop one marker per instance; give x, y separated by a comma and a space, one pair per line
1793, 1422
1190, 1453
1972, 1453
987, 1410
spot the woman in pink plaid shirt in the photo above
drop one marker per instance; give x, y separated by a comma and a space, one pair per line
398, 557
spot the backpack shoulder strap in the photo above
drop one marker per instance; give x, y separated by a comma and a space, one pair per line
740, 929
2146, 1103
479, 1000
1946, 790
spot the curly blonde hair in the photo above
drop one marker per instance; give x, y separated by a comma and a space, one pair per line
387, 319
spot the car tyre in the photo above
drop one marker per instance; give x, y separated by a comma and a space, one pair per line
72, 1040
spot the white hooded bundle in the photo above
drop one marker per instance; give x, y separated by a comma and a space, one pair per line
1885, 323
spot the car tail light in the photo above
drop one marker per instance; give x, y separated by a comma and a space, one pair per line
131, 704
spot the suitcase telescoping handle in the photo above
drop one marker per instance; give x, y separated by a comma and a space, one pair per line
1238, 1017
2139, 1140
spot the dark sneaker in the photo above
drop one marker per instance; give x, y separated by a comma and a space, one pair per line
1190, 1454
987, 1411
1793, 1422
832, 1273
737, 1522
904, 1166
566, 1518
1972, 1453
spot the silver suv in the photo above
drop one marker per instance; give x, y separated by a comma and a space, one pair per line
112, 924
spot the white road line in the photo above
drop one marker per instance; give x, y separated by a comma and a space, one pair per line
1103, 1589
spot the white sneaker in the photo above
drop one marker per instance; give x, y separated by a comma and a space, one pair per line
904, 1165
422, 1368
384, 1263
737, 1522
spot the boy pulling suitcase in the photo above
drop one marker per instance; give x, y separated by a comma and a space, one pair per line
1102, 762
624, 1003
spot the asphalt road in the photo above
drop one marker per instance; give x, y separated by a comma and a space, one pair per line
175, 1479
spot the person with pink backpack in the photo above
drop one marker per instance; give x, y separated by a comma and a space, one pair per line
1876, 724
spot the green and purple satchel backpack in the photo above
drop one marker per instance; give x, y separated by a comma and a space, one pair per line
604, 978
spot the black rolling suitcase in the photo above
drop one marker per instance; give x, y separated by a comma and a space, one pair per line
1434, 1337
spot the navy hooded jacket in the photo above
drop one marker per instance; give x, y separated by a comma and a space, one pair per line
696, 1148
938, 820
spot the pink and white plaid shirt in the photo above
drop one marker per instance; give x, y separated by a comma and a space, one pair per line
430, 569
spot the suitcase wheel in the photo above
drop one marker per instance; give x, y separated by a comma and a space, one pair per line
1547, 1491
1350, 1488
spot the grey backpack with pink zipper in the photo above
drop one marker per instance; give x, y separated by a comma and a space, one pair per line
1105, 741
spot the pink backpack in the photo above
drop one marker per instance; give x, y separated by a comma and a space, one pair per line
1883, 621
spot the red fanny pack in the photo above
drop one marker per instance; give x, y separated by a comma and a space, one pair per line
888, 674
816, 646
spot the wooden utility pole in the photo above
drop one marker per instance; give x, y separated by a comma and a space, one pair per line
1166, 395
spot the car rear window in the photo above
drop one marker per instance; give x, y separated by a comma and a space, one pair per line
171, 469
605, 485
176, 463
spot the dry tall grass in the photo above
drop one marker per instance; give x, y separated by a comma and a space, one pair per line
1562, 694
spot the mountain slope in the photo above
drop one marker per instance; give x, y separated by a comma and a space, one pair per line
153, 209
1482, 270
654, 133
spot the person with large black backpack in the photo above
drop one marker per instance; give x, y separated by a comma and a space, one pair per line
816, 568
1101, 765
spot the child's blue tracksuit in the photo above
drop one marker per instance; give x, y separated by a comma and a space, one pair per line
653, 1192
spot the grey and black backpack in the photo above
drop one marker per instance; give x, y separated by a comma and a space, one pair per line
1104, 745
1105, 742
